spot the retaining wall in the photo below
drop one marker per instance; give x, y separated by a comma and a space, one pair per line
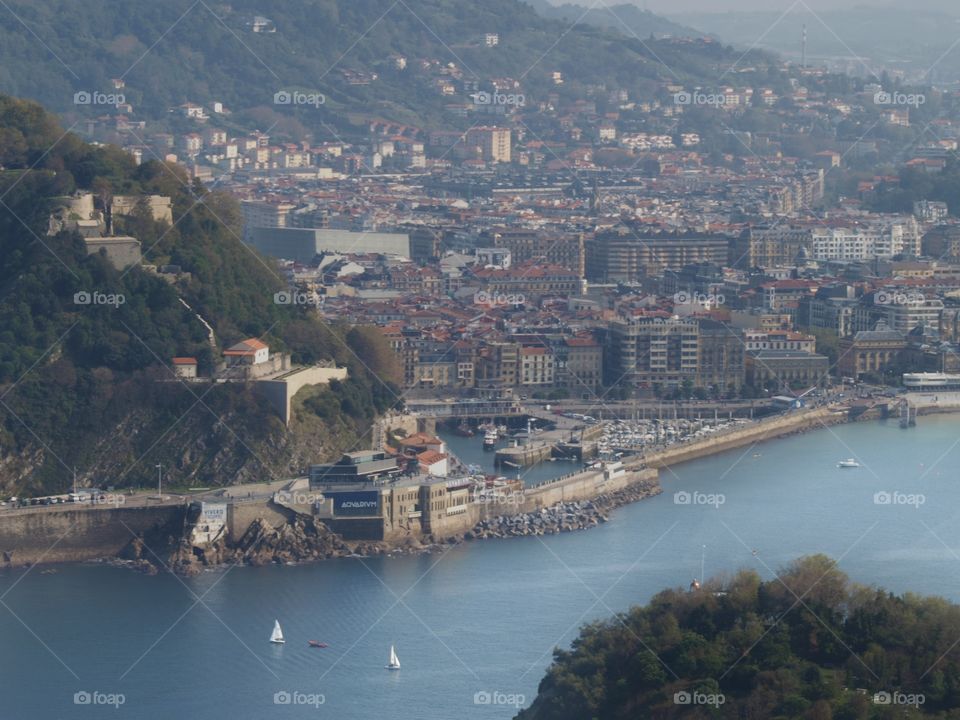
54, 535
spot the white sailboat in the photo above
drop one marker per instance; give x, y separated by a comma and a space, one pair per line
277, 635
394, 663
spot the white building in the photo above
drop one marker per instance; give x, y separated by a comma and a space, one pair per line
883, 239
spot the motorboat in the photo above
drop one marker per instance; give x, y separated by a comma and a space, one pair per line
848, 463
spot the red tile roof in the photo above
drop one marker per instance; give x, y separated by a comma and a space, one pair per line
247, 347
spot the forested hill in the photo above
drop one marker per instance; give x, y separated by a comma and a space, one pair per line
809, 644
87, 384
178, 51
625, 18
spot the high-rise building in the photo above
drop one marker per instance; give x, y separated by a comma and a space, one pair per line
494, 142
652, 349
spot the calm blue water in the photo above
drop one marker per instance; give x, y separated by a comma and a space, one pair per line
470, 452
483, 616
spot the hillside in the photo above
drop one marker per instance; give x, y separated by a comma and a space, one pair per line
177, 51
808, 644
88, 385
626, 18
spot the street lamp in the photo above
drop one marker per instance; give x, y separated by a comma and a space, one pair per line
159, 478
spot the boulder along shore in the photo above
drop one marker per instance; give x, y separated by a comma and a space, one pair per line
306, 539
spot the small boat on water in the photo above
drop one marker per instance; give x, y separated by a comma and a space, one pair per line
490, 439
848, 463
316, 644
463, 430
394, 663
277, 635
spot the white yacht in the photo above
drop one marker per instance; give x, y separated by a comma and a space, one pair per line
848, 463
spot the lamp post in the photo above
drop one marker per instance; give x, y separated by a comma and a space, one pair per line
159, 478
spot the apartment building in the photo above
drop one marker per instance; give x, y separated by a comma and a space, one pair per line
536, 367
529, 245
530, 279
650, 349
622, 255
785, 245
721, 353
494, 143
264, 214
779, 340
579, 366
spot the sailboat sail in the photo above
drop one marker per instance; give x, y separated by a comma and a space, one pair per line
277, 635
394, 660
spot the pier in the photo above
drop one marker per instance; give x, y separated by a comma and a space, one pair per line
579, 442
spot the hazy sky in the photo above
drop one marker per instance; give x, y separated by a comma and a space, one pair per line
675, 7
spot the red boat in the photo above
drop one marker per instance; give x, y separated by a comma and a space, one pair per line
316, 643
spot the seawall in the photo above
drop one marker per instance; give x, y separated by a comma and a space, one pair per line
54, 535
760, 431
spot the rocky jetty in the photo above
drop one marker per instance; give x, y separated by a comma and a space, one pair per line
300, 540
562, 517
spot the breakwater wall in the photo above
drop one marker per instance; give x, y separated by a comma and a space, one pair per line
576, 487
760, 431
73, 535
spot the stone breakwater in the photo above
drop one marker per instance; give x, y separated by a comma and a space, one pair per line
564, 516
300, 540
